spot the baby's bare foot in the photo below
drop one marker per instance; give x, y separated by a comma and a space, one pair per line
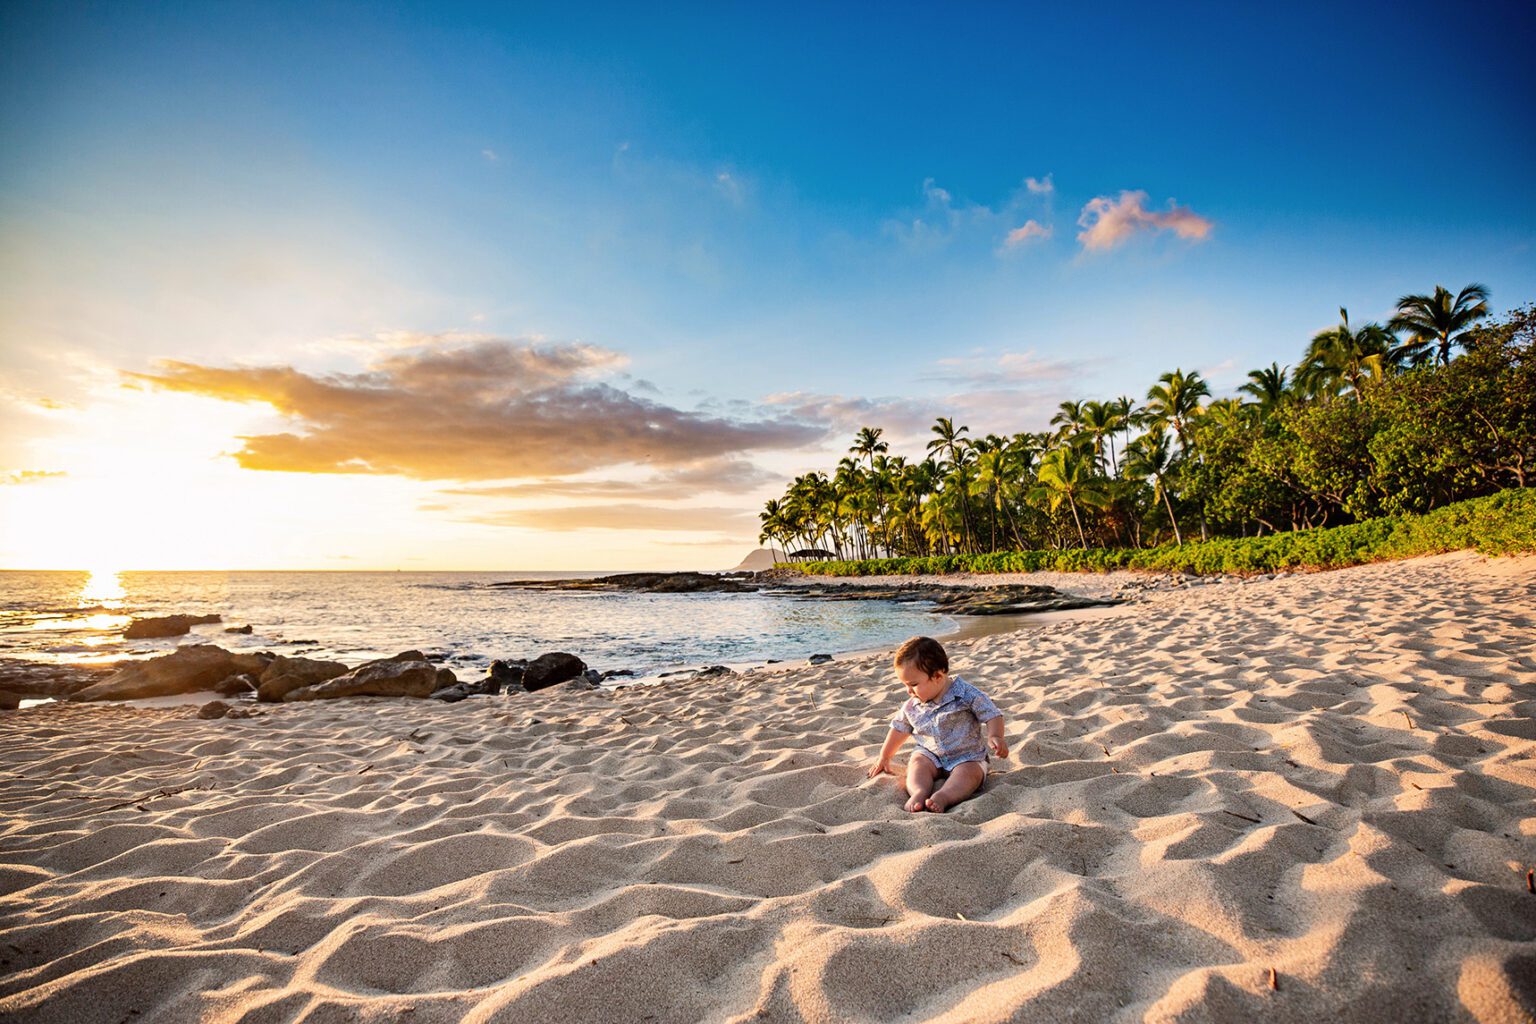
937, 803
918, 802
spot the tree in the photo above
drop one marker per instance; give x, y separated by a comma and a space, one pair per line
1174, 400
1267, 386
950, 442
1437, 323
1066, 474
1342, 357
1150, 457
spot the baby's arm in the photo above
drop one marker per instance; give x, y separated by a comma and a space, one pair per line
893, 740
995, 737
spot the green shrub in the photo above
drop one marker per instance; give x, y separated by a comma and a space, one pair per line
1499, 524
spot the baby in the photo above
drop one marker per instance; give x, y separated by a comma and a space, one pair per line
945, 715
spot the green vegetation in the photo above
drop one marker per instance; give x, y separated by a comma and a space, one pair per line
1326, 464
1503, 523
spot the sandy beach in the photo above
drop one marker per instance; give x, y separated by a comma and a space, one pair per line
1295, 799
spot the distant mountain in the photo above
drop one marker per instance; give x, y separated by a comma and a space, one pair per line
757, 561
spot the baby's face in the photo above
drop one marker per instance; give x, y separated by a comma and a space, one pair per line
920, 684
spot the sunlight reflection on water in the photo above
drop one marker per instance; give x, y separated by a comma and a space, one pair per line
103, 587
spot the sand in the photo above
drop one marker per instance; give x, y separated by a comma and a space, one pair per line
1300, 799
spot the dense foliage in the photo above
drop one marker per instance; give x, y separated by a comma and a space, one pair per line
1374, 423
1502, 523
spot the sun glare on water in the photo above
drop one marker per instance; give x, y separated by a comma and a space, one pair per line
103, 587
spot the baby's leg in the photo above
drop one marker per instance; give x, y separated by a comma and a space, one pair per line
920, 773
964, 780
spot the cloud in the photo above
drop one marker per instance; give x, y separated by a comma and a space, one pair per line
724, 475
487, 410
490, 155
846, 414
942, 219
986, 369
1108, 222
1030, 229
16, 478
729, 187
625, 517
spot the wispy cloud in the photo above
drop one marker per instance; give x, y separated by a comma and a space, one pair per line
1109, 222
984, 368
624, 517
489, 410
723, 475
942, 219
490, 155
1029, 229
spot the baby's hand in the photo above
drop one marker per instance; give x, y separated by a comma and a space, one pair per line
999, 746
880, 768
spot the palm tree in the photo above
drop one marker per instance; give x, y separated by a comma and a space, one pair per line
1150, 457
1344, 357
1267, 386
1100, 420
1174, 400
1438, 321
950, 442
1068, 420
1066, 474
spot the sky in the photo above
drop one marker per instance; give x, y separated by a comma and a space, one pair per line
445, 286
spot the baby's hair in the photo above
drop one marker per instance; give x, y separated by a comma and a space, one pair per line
925, 652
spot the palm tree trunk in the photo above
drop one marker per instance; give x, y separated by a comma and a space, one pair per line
1169, 505
1080, 534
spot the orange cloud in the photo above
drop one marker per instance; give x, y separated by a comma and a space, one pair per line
490, 410
1108, 222
1030, 229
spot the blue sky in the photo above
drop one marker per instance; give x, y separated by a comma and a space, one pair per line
788, 214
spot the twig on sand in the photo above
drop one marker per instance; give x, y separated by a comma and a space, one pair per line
1406, 716
1015, 959
1303, 817
1530, 880
1245, 817
365, 769
156, 795
1274, 980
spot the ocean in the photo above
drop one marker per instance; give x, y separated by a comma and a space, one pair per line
458, 617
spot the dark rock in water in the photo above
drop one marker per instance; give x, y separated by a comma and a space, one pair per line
31, 679
408, 674
166, 625
592, 676
616, 672
818, 659
9, 701
246, 629
552, 669
236, 685
714, 672
647, 582
285, 675
185, 670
